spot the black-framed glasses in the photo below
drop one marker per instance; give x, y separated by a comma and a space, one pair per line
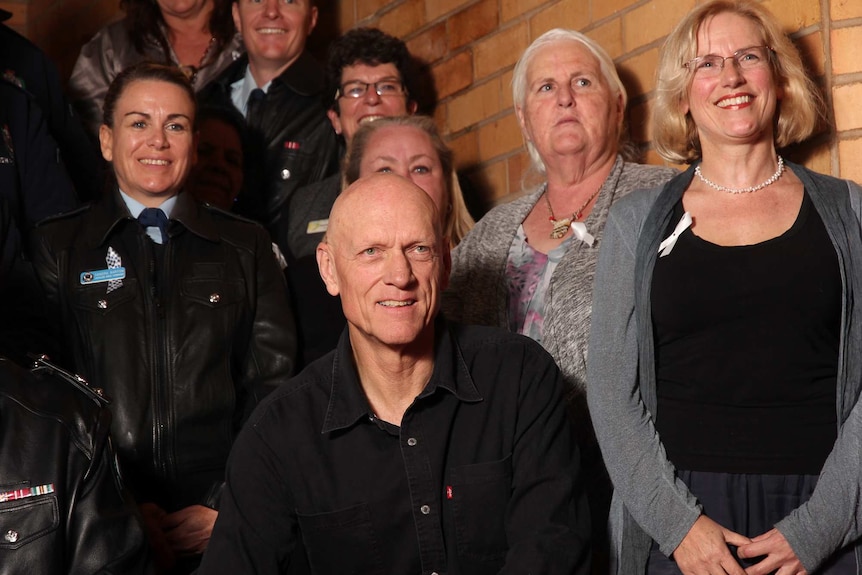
357, 88
745, 59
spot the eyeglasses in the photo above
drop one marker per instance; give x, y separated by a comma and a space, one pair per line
746, 59
357, 88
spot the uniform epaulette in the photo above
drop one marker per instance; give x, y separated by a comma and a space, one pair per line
231, 215
64, 215
42, 364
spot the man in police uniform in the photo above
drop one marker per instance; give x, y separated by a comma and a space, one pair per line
277, 86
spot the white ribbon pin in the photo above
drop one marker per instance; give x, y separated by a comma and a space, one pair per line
580, 232
666, 246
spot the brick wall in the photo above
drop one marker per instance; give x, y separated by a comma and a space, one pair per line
470, 47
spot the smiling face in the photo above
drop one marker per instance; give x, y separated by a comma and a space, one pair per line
569, 107
408, 152
385, 256
736, 106
353, 111
274, 32
151, 145
183, 8
217, 176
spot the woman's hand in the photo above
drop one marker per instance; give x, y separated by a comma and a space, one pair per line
153, 515
188, 530
704, 551
777, 555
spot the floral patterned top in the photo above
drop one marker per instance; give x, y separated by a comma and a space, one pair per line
528, 273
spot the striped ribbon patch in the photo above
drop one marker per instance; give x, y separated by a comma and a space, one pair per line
25, 493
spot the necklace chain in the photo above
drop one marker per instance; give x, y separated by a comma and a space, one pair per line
561, 227
190, 71
772, 179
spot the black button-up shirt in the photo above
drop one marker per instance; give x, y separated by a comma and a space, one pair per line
480, 477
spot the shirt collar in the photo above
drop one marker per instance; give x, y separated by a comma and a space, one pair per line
111, 209
136, 207
241, 90
347, 401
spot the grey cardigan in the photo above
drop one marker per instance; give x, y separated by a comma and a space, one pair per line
649, 501
478, 292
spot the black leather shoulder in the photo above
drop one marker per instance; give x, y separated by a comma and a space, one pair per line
47, 392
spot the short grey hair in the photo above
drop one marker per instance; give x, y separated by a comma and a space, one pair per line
558, 35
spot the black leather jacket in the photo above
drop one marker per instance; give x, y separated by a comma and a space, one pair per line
198, 332
292, 139
52, 434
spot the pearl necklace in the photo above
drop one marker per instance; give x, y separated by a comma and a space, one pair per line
772, 179
561, 227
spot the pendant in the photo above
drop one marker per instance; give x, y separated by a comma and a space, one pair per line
561, 228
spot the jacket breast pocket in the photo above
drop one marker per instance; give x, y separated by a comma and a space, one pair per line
24, 521
294, 166
94, 298
341, 541
213, 293
480, 497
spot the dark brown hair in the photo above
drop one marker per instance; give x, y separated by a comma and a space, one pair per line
144, 18
137, 73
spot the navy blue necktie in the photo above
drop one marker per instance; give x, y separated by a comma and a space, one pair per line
155, 218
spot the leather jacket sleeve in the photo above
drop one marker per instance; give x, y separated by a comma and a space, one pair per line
104, 530
271, 355
70, 513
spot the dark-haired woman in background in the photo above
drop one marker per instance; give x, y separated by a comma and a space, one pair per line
198, 36
178, 311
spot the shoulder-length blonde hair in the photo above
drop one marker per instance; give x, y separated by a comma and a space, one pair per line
675, 135
457, 221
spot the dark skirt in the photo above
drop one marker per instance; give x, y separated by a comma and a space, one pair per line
750, 505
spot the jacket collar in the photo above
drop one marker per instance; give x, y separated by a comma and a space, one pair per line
347, 401
305, 76
108, 213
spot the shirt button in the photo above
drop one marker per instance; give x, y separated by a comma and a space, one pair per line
285, 174
411, 442
425, 510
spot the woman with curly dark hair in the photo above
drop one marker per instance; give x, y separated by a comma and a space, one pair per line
198, 36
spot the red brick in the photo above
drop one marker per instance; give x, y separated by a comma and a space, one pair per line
849, 152
404, 19
453, 74
367, 8
565, 14
842, 9
500, 137
500, 50
436, 8
429, 46
478, 103
651, 21
465, 149
609, 36
511, 9
794, 14
638, 73
490, 181
811, 49
472, 23
847, 50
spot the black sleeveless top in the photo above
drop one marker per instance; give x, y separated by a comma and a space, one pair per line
747, 342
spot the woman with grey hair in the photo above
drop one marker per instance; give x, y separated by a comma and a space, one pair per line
528, 265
